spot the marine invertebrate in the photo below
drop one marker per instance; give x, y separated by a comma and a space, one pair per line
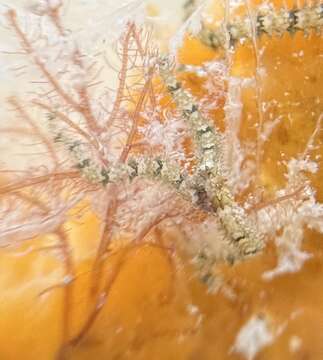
268, 22
262, 20
108, 152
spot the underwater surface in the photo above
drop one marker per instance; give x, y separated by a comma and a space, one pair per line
161, 180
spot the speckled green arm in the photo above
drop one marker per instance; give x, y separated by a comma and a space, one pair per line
267, 20
209, 143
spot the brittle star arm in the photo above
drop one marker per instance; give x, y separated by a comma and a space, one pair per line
209, 143
268, 20
152, 168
